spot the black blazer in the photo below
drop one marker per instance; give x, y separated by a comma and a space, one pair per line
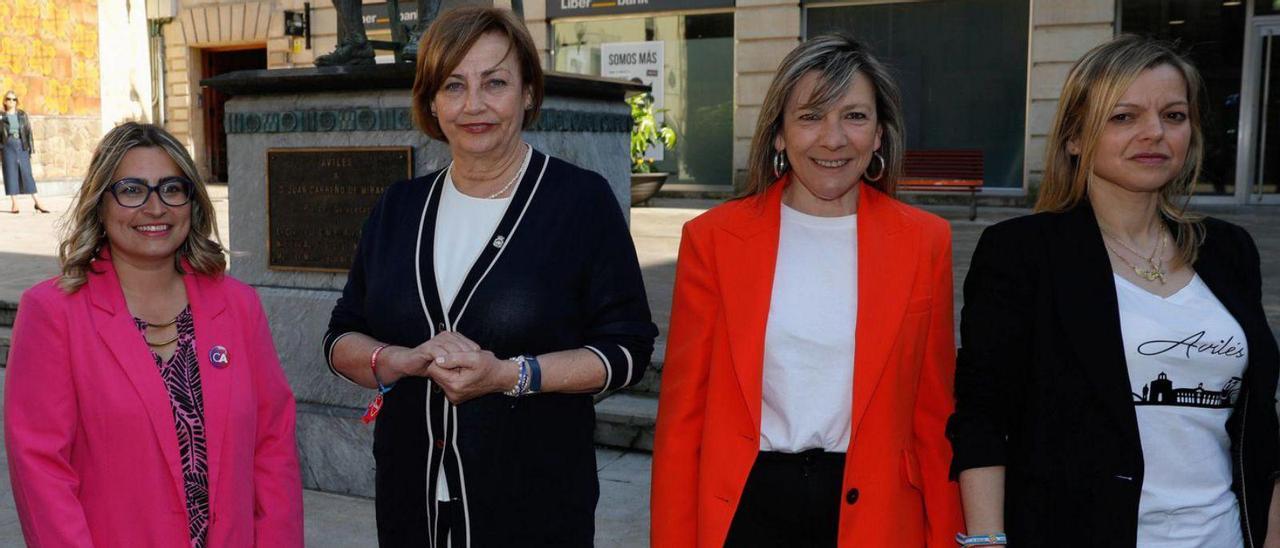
1042, 387
24, 131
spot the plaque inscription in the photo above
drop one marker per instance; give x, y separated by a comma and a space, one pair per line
319, 198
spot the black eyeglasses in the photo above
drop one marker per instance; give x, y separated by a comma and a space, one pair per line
134, 192
14, 99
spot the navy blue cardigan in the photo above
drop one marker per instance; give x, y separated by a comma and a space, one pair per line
560, 273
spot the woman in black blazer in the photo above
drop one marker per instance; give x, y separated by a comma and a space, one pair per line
1117, 377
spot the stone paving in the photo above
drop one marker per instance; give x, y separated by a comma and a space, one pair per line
28, 255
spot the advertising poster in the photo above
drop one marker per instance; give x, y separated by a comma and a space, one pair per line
639, 62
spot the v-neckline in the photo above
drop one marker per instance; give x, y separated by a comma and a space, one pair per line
1172, 296
428, 289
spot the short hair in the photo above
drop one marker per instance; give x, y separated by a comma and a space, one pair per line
1093, 87
449, 39
836, 58
83, 232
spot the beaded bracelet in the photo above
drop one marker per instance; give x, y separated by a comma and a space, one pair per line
522, 380
993, 539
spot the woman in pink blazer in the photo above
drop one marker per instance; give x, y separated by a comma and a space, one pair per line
144, 402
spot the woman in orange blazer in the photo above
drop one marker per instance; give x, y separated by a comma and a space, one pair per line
809, 366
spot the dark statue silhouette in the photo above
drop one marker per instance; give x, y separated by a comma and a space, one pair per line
354, 47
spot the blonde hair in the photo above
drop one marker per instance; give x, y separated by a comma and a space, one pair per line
836, 58
448, 41
83, 233
1093, 88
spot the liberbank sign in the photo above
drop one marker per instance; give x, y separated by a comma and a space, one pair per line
584, 8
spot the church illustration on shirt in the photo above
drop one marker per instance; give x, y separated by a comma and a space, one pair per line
1161, 392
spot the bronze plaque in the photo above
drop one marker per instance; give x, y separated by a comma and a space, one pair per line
319, 198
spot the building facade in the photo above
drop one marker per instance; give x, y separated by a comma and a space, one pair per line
72, 78
976, 74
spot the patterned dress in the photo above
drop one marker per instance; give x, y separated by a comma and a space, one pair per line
181, 374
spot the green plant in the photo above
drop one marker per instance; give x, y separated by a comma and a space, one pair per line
647, 131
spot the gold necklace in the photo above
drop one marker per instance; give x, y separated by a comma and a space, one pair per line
1156, 272
160, 344
161, 326
1150, 258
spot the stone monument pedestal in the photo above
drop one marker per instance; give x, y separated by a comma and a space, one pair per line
584, 121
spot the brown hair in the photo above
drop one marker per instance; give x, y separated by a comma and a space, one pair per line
83, 233
1094, 86
449, 39
837, 58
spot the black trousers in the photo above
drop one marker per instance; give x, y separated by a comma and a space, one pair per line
791, 499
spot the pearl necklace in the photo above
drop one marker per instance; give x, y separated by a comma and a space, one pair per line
507, 186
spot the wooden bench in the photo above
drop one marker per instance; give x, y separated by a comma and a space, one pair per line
956, 170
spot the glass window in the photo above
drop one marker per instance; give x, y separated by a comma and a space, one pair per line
697, 83
1260, 7
1211, 32
962, 66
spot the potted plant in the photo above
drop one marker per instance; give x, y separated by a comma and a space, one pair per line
646, 132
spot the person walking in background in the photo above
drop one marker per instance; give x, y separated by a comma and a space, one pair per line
16, 148
1116, 380
811, 353
144, 401
486, 303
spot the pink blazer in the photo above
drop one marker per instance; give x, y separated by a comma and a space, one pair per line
93, 454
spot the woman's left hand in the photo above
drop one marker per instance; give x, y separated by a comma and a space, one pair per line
467, 375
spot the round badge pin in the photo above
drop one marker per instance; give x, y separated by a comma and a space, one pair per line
218, 357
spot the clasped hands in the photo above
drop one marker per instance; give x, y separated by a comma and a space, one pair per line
462, 369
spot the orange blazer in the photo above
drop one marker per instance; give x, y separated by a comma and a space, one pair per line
708, 435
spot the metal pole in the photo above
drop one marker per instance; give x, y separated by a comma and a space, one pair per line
306, 21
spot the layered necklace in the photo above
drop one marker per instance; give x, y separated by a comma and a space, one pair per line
1155, 270
161, 326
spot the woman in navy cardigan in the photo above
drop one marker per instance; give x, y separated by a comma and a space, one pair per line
487, 302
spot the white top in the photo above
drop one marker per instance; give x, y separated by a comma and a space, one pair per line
808, 344
464, 227
1186, 355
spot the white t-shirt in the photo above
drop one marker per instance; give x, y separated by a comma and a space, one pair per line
808, 344
464, 225
1186, 356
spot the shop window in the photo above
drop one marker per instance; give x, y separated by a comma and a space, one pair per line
696, 77
962, 67
1211, 33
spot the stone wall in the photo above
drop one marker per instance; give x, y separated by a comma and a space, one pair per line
1062, 31
64, 146
49, 56
764, 31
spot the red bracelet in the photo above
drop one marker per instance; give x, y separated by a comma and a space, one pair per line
371, 413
